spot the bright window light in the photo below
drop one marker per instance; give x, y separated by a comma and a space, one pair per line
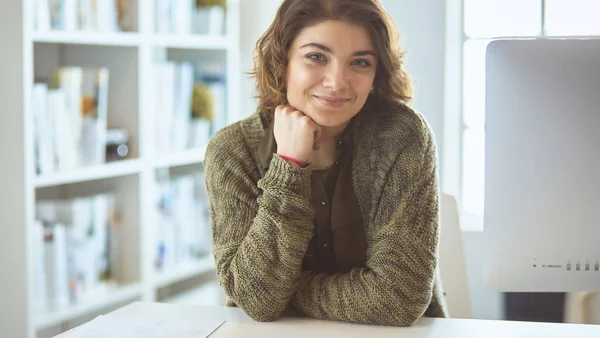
473, 178
572, 17
493, 18
474, 83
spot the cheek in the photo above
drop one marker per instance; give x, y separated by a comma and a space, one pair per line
301, 78
363, 84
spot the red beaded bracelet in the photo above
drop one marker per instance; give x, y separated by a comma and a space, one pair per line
298, 162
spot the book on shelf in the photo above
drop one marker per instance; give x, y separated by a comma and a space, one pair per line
70, 119
84, 15
185, 17
189, 107
76, 245
183, 228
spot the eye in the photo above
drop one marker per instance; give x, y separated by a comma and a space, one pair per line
361, 63
316, 57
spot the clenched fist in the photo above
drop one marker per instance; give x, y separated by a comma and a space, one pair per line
296, 134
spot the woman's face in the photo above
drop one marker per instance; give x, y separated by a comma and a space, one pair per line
330, 71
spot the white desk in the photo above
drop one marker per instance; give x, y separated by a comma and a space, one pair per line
238, 324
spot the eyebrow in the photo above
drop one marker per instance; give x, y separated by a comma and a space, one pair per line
328, 50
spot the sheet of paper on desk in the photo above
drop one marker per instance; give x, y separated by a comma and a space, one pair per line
135, 327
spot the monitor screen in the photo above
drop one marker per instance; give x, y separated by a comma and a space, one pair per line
542, 165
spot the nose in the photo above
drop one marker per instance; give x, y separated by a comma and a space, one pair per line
336, 78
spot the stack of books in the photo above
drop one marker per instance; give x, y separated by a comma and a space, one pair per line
70, 119
84, 15
177, 126
185, 17
75, 250
183, 227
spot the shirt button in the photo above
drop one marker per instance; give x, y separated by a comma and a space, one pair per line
340, 143
324, 204
336, 163
325, 245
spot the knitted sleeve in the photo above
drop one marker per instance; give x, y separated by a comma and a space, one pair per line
396, 286
260, 230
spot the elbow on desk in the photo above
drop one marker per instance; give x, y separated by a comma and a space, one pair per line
260, 309
258, 312
405, 321
399, 319
397, 306
262, 314
390, 311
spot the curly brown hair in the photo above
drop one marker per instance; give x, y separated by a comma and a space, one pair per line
391, 84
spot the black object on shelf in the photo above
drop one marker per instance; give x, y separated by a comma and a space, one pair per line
117, 144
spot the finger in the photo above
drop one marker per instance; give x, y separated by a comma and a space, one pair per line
287, 110
317, 138
318, 131
297, 114
279, 109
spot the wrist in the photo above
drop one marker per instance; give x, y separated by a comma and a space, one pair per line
294, 162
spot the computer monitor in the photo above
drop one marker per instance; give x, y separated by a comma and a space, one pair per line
542, 165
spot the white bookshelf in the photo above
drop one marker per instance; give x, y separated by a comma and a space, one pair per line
131, 58
188, 157
112, 296
191, 42
109, 170
81, 38
184, 271
209, 294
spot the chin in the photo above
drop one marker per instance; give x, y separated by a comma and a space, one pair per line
329, 118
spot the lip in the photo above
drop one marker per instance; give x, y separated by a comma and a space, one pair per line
329, 101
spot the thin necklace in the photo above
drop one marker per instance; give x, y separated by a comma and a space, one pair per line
322, 168
336, 162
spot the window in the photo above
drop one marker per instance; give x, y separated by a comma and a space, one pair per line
572, 17
483, 21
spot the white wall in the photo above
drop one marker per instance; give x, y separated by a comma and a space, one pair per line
422, 25
255, 17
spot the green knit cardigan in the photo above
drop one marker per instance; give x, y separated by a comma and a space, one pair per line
262, 223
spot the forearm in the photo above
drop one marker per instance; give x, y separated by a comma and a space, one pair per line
255, 279
260, 270
395, 296
397, 284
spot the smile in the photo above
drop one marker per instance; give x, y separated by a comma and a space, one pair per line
334, 102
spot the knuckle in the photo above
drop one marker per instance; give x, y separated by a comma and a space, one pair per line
305, 120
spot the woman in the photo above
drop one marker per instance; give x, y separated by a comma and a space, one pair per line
324, 202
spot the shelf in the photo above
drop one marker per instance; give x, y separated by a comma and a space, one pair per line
131, 39
187, 157
112, 297
199, 42
184, 271
125, 39
113, 169
209, 293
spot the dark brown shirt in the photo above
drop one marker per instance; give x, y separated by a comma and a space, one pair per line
339, 243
